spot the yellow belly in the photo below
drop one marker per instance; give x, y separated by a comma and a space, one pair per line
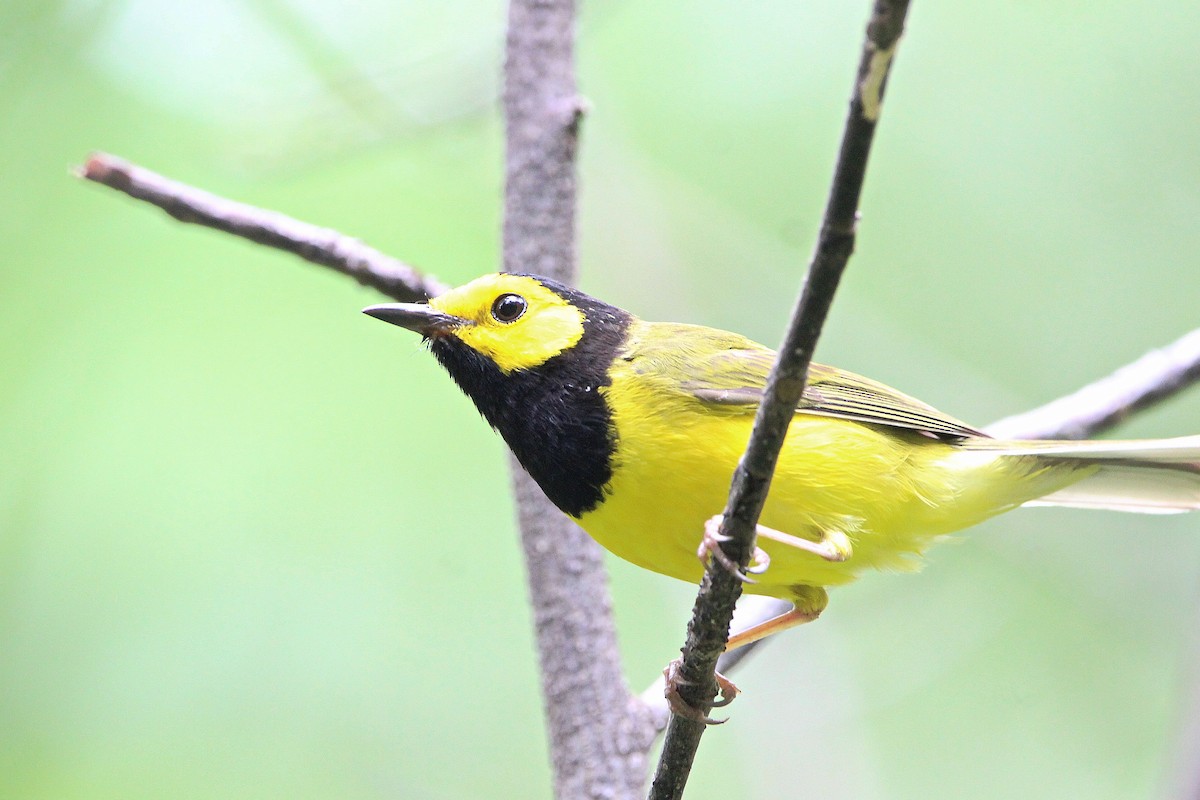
891, 493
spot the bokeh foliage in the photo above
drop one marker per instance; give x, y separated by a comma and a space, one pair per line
253, 544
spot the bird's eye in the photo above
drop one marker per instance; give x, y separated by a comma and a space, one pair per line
508, 307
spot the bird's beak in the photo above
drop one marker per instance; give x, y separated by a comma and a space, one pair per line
416, 317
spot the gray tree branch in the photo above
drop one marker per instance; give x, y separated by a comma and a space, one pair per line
319, 245
1109, 401
599, 732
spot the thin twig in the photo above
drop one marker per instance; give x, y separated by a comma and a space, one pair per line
708, 630
321, 246
1103, 404
599, 733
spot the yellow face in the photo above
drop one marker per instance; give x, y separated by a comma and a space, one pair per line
515, 321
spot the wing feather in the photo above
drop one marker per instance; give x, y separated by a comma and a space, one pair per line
737, 376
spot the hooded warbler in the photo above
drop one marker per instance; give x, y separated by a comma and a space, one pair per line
633, 429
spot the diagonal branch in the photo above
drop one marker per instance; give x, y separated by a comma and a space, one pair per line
319, 245
1109, 401
708, 630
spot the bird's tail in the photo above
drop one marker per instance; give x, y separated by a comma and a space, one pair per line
1153, 476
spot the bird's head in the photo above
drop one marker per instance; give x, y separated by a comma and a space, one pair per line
518, 322
534, 356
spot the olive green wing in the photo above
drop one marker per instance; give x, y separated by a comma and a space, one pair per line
729, 370
836, 393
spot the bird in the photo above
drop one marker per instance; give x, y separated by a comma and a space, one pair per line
633, 429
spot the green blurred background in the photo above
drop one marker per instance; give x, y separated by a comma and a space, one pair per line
254, 545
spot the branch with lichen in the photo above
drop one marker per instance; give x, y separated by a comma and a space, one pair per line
708, 630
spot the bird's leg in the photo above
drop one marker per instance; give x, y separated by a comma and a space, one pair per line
807, 604
672, 680
789, 619
833, 546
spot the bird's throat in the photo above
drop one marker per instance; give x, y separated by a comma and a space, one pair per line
554, 417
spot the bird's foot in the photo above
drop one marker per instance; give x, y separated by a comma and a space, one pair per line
710, 545
672, 680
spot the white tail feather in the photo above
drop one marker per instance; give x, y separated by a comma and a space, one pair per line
1147, 477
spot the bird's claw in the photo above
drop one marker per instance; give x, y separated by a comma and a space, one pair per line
758, 562
672, 680
710, 545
